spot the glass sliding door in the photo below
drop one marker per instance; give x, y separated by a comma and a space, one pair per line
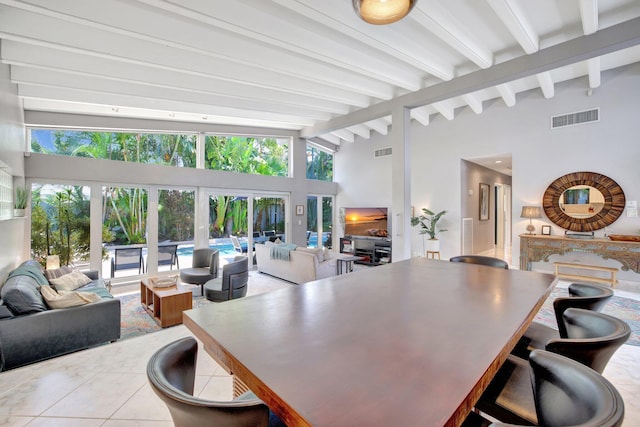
176, 214
124, 219
319, 221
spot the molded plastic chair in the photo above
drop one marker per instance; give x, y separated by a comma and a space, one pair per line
204, 267
127, 259
593, 339
171, 373
558, 391
581, 295
168, 255
232, 284
481, 260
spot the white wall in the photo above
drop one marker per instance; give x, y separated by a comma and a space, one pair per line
12, 231
540, 155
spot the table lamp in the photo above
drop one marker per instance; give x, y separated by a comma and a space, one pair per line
53, 262
530, 212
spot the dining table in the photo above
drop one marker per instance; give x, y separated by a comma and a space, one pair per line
413, 342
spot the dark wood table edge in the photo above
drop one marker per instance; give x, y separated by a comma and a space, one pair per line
474, 395
234, 367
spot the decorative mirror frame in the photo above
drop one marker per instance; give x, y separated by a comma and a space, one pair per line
614, 201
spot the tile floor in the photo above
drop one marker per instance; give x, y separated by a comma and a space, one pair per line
107, 385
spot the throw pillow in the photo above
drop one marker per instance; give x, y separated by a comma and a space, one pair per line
57, 272
71, 299
70, 281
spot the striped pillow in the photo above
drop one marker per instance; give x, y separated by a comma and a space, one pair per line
57, 272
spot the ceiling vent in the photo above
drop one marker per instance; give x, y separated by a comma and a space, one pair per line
382, 152
577, 118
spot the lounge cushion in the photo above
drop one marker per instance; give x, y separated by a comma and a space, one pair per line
57, 272
21, 294
68, 299
70, 281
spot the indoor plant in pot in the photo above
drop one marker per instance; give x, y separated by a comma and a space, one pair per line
20, 201
428, 225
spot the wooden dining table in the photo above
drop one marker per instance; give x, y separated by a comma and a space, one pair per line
409, 343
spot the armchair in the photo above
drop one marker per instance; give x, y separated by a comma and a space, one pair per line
204, 268
232, 284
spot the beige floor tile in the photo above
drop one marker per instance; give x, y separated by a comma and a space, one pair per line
66, 422
137, 423
14, 421
99, 397
143, 405
218, 388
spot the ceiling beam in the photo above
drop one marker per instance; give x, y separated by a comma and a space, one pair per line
507, 94
589, 15
474, 102
594, 70
379, 125
546, 84
607, 40
514, 19
421, 115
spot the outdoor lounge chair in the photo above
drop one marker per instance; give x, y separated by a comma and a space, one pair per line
127, 259
168, 255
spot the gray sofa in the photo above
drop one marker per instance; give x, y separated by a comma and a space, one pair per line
31, 332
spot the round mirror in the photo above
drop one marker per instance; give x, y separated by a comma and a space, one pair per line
583, 201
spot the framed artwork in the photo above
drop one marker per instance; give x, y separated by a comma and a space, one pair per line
484, 201
546, 230
299, 209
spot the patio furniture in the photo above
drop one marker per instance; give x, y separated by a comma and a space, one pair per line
168, 255
481, 260
171, 372
127, 259
237, 245
232, 284
204, 267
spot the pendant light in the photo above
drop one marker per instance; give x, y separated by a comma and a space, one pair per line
381, 12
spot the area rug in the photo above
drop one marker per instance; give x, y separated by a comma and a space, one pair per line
136, 321
623, 308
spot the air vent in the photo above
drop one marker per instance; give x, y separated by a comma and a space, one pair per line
577, 118
382, 152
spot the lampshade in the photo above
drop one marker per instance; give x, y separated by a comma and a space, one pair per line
380, 12
530, 212
53, 262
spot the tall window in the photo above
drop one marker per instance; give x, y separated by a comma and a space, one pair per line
162, 149
319, 164
319, 207
60, 223
260, 156
176, 215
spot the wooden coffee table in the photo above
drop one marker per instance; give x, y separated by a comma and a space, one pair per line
165, 305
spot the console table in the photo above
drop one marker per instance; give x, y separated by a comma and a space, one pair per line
534, 248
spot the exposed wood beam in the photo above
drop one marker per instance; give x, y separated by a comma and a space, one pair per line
514, 19
546, 84
437, 20
445, 108
507, 94
607, 40
345, 135
323, 144
332, 139
361, 130
421, 115
474, 102
589, 15
594, 70
379, 125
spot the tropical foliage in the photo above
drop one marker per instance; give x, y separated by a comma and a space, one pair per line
262, 156
319, 164
60, 223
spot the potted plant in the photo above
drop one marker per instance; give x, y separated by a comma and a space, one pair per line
20, 201
428, 225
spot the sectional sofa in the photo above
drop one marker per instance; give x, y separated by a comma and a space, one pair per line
31, 331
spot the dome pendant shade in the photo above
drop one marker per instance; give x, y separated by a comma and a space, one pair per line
380, 12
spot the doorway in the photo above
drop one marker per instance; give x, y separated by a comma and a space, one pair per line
502, 209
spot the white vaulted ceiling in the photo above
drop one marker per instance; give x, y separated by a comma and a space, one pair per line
308, 65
